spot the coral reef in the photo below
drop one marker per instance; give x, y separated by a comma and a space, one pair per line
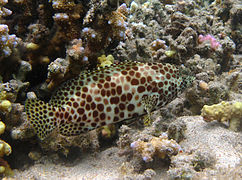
224, 112
105, 60
179, 27
211, 88
5, 149
63, 144
44, 43
85, 48
144, 148
186, 166
127, 171
159, 146
8, 42
176, 130
5, 106
4, 11
213, 42
56, 72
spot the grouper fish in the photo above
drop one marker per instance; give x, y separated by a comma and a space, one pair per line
108, 95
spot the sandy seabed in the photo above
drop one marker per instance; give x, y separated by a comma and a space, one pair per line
224, 145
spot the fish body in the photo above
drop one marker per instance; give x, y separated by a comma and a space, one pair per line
105, 96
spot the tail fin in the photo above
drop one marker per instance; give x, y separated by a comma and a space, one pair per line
41, 117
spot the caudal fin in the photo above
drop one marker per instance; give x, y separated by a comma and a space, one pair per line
41, 117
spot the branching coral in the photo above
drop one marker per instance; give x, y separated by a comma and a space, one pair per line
160, 146
84, 49
56, 72
63, 4
225, 111
61, 31
4, 11
76, 51
67, 16
100, 29
158, 48
105, 30
10, 90
7, 42
13, 113
117, 22
213, 42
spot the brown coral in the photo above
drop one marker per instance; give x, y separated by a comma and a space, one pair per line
159, 146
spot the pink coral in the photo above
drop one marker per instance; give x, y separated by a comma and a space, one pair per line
213, 42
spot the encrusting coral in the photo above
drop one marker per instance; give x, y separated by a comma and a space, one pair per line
5, 149
160, 146
105, 60
224, 112
5, 106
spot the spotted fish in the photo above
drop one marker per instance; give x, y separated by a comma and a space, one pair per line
108, 95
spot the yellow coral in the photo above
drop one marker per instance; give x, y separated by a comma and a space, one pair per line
105, 61
5, 149
2, 127
5, 106
170, 53
224, 111
32, 46
2, 169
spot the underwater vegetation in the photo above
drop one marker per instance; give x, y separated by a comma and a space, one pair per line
128, 77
